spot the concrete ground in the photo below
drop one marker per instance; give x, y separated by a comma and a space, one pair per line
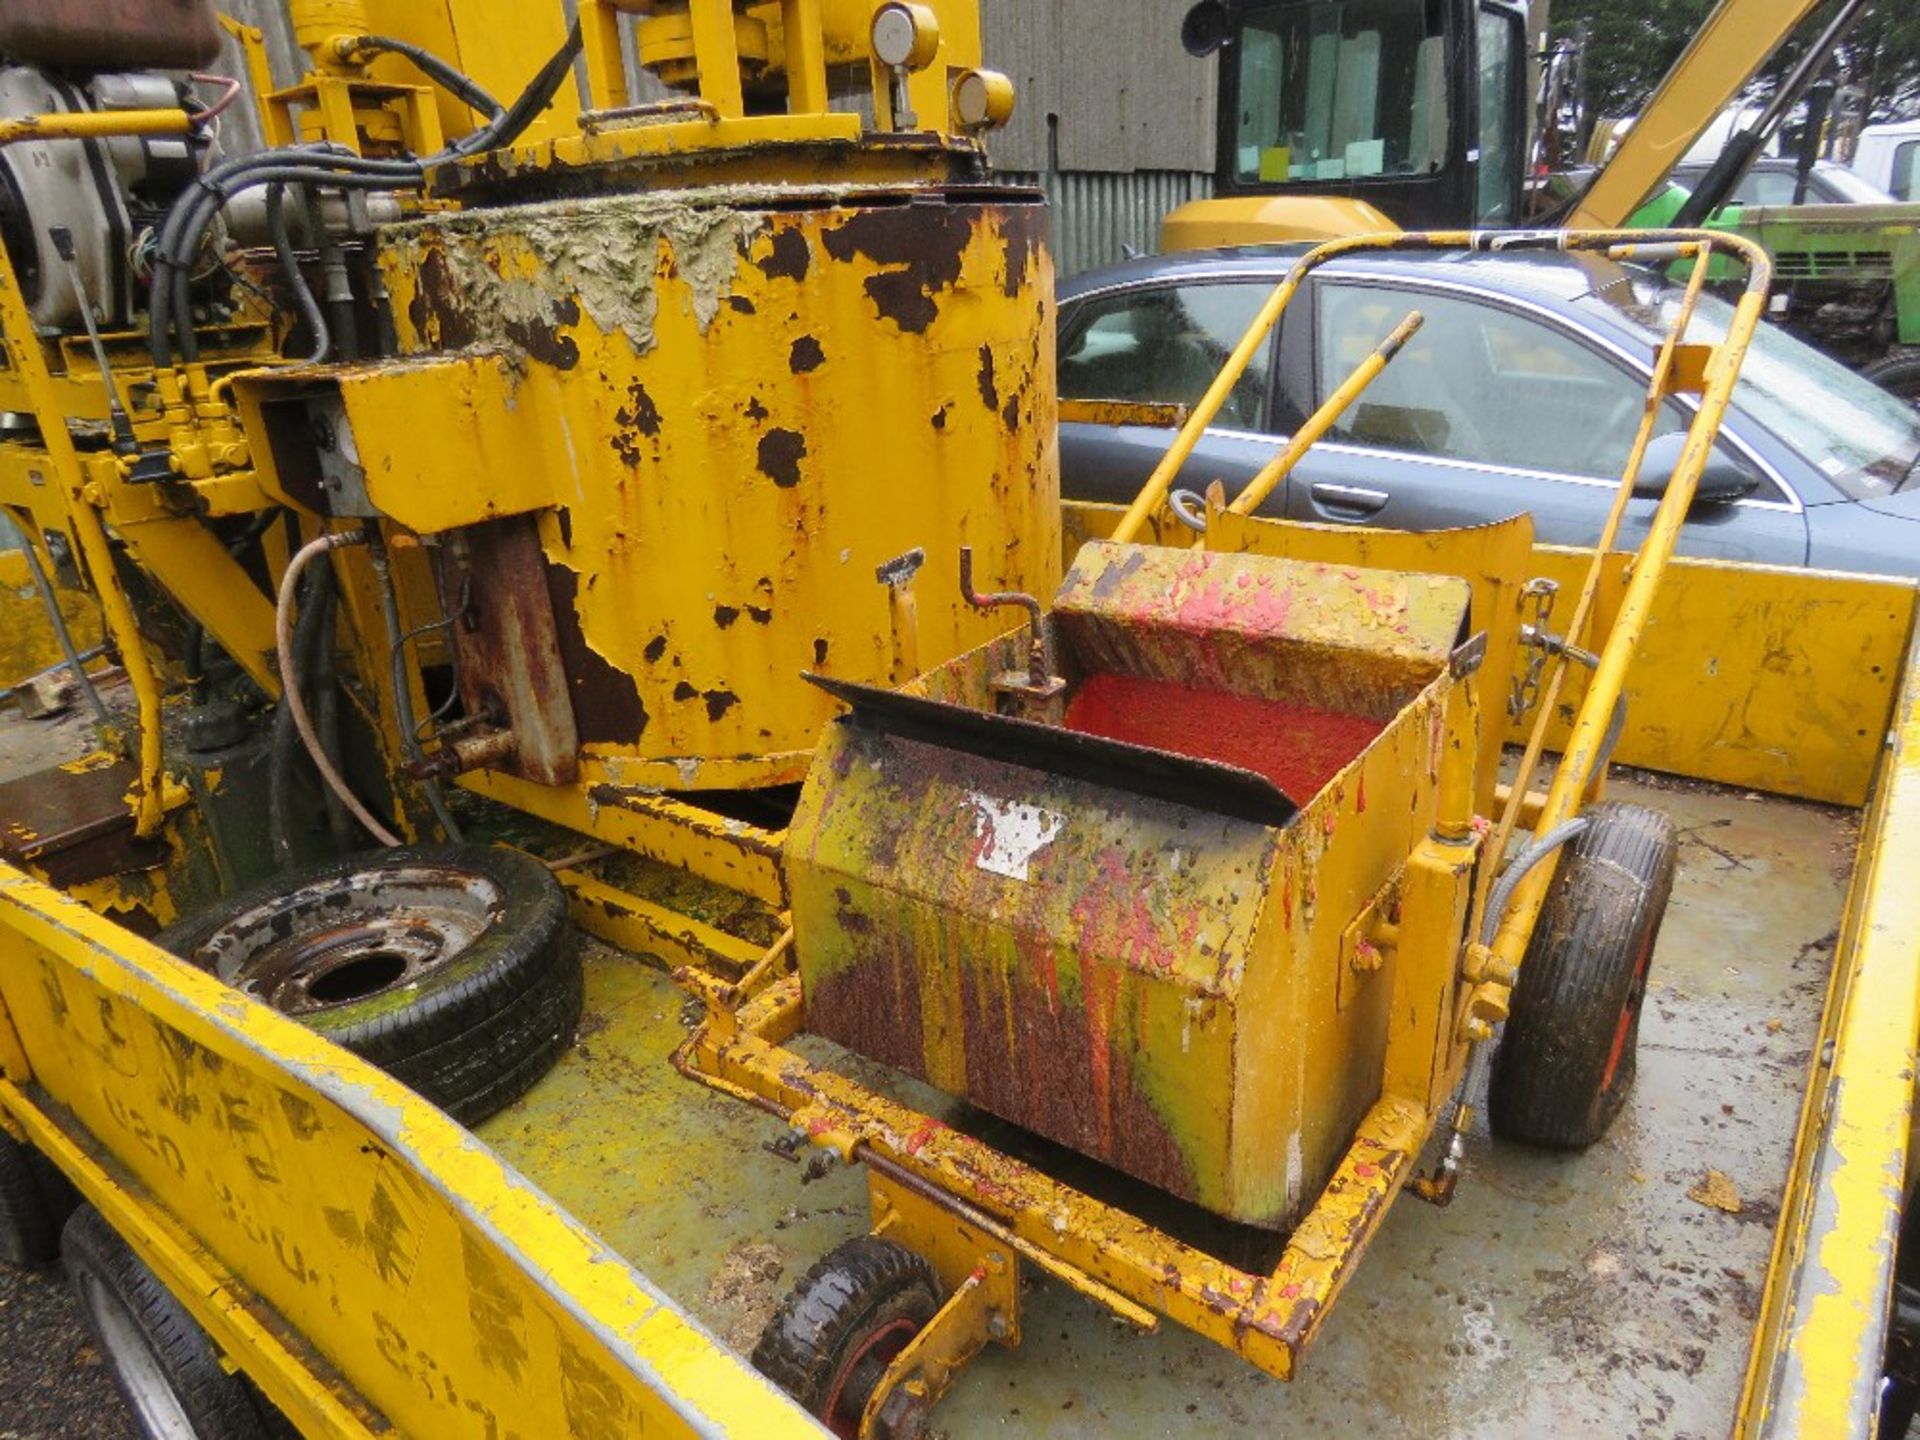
53, 1383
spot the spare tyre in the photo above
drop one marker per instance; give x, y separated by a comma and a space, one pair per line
453, 968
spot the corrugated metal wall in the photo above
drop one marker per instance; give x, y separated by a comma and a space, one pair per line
1115, 121
1099, 218
1103, 85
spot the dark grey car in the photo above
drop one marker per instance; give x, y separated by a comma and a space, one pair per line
1521, 393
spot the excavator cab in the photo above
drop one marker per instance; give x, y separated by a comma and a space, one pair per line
1342, 117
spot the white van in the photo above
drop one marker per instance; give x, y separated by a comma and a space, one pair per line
1889, 156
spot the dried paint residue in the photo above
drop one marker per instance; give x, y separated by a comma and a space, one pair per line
1298, 747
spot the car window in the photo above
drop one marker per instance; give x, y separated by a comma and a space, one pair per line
1772, 187
1167, 345
1905, 184
1479, 383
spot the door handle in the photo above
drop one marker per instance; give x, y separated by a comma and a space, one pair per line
1352, 499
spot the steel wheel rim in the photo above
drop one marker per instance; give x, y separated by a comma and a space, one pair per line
144, 1380
861, 1371
353, 937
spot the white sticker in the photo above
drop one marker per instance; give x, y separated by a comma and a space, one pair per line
1011, 834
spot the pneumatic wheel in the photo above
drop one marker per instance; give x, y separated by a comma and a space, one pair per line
35, 1200
454, 968
1899, 374
833, 1337
163, 1362
1567, 1060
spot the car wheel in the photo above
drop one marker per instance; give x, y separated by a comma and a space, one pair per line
1899, 374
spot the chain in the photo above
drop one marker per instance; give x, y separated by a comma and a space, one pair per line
1536, 601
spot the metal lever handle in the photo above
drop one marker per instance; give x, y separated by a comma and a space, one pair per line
1040, 662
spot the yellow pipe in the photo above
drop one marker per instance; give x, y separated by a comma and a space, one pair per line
1324, 419
95, 125
1603, 690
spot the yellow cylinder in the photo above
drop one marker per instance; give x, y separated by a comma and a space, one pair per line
318, 24
747, 406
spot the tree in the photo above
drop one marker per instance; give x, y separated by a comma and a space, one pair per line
1632, 43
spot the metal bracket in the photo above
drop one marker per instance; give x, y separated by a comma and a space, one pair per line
1467, 658
982, 1279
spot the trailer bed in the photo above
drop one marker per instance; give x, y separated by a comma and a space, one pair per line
1603, 1293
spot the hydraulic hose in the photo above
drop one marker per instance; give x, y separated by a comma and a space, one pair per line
318, 661
303, 295
290, 697
1519, 868
324, 164
463, 88
285, 745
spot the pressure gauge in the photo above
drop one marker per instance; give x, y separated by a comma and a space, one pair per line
905, 37
982, 100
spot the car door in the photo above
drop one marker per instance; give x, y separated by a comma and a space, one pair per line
1497, 408
1162, 345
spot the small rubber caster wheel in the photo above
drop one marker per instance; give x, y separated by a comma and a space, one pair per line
1567, 1060
833, 1337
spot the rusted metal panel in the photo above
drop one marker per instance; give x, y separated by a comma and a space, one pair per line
72, 825
737, 405
512, 664
110, 34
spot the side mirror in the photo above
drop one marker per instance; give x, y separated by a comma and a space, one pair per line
1206, 28
1723, 481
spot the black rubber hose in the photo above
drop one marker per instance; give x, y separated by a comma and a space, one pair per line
290, 263
463, 88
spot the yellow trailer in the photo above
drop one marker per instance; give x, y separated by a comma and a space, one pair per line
513, 490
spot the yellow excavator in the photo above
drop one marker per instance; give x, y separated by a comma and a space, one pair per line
1340, 118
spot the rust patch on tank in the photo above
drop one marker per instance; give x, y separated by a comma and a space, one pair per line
656, 649
741, 305
989, 390
607, 707
725, 615
920, 246
806, 356
879, 1002
788, 256
1022, 234
781, 452
542, 340
435, 311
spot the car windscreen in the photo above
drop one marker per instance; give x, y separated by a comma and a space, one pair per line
1864, 440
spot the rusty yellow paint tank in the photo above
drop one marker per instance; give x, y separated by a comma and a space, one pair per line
1161, 932
721, 421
